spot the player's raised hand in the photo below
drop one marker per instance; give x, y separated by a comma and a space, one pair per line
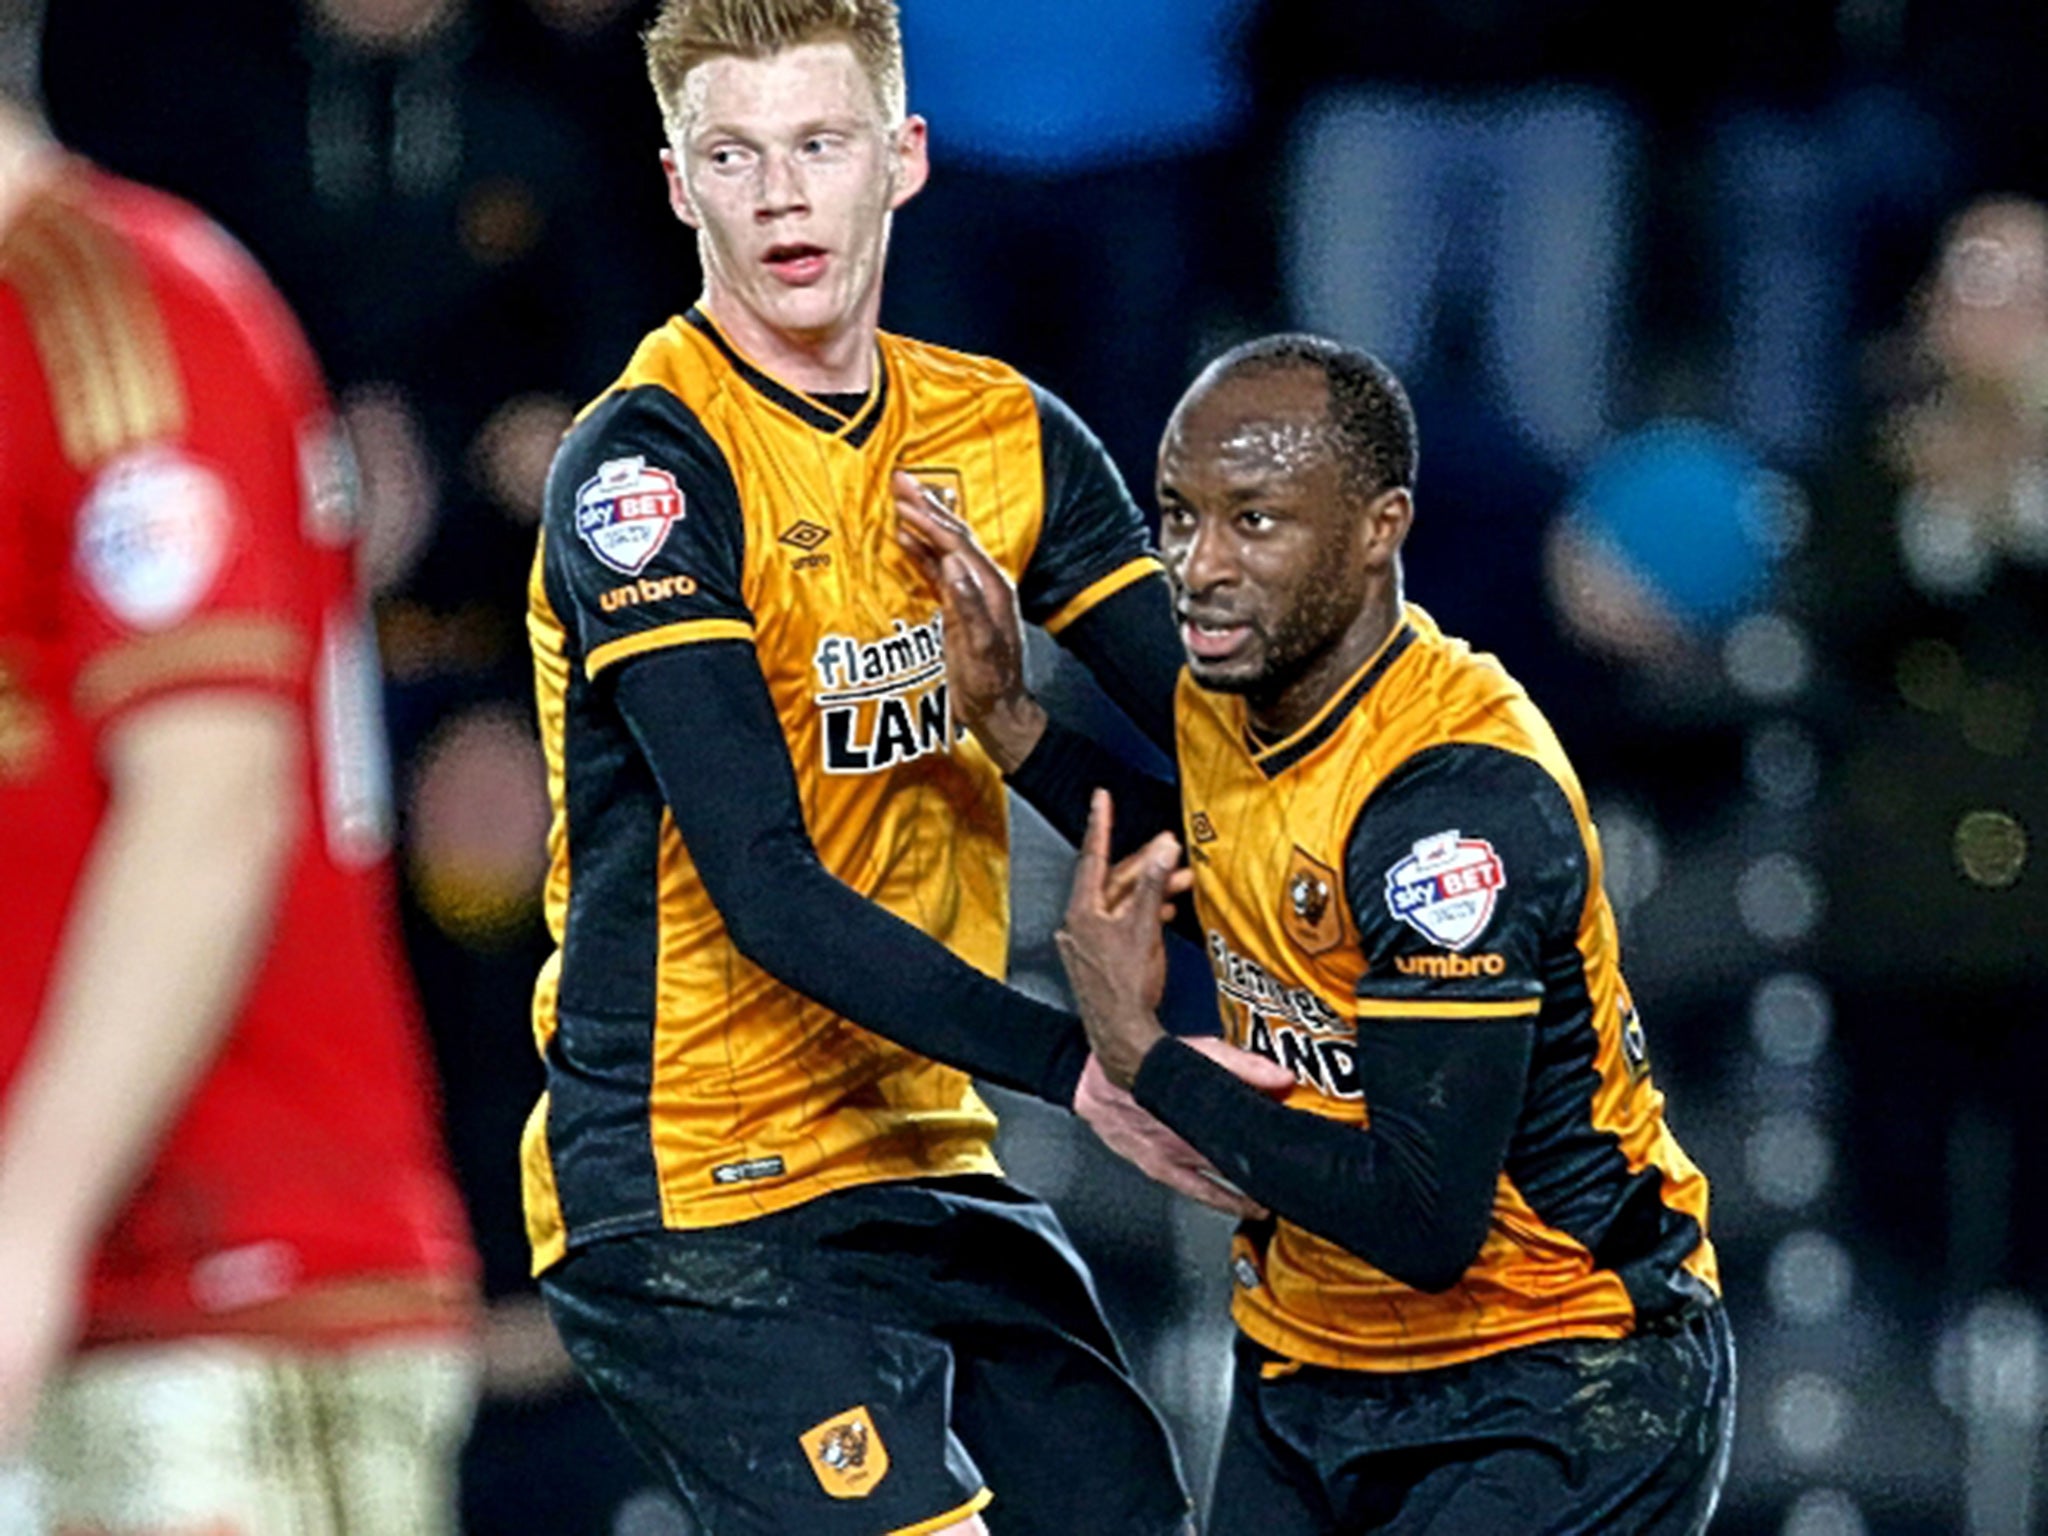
1114, 951
984, 633
1111, 943
1122, 885
1140, 1140
925, 527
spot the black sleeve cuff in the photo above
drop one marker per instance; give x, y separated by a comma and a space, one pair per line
1193, 1096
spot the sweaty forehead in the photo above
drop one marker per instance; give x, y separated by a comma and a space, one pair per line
1255, 424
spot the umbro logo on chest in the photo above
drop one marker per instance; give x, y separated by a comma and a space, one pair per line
804, 538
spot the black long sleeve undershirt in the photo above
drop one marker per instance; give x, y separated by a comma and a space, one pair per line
1412, 1194
1066, 767
703, 716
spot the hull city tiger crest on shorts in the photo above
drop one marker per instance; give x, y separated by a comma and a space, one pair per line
1446, 888
1309, 905
624, 513
847, 1454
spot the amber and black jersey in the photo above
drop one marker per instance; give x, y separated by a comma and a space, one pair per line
1406, 886
1419, 855
700, 503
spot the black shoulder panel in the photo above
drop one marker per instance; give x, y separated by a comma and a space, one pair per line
643, 521
1092, 528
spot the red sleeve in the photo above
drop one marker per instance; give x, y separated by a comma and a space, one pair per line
197, 556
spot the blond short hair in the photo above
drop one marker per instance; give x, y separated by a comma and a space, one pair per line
688, 32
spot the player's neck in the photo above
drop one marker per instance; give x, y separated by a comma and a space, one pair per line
841, 361
27, 156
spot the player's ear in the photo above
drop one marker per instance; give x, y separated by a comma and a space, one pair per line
913, 160
1388, 517
678, 190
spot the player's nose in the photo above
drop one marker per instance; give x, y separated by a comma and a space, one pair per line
1205, 559
781, 188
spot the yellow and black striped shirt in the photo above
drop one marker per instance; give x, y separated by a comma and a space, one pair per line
1421, 851
700, 500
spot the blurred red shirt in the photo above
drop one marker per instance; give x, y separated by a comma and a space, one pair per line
177, 514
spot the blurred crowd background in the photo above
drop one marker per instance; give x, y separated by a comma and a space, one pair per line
1728, 333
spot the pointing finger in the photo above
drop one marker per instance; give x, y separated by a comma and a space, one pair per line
1093, 869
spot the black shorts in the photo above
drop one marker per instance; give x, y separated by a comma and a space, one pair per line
1581, 1435
878, 1360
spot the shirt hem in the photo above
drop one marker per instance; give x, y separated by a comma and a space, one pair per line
1283, 1341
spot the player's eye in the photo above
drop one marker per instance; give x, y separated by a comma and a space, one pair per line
1252, 520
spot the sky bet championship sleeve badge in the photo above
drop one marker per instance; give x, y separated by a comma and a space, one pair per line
1446, 888
624, 513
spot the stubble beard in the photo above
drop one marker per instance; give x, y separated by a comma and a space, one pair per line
1313, 628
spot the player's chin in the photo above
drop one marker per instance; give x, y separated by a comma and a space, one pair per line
1238, 673
817, 309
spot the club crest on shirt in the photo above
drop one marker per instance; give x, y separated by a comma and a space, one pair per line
949, 486
1446, 888
846, 1453
1309, 904
624, 513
